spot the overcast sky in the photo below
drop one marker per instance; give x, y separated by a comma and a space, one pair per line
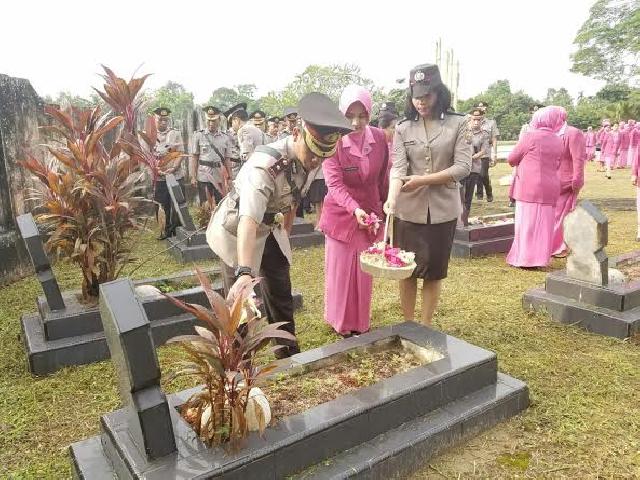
59, 45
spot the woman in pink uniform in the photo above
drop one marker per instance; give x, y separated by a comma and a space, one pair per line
536, 188
623, 151
634, 141
590, 143
571, 175
357, 180
610, 142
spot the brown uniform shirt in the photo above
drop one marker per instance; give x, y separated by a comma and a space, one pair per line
450, 153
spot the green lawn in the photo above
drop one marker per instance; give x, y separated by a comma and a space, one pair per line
584, 421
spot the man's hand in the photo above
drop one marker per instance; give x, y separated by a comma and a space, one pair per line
634, 180
243, 282
412, 182
194, 180
360, 217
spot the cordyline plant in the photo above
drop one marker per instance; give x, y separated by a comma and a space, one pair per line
87, 198
222, 356
205, 210
125, 100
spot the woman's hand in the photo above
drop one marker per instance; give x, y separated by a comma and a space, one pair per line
361, 216
389, 207
412, 182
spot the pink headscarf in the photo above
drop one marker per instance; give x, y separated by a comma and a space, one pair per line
552, 118
355, 93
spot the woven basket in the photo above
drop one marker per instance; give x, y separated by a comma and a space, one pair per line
391, 273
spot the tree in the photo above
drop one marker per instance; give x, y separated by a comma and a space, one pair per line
327, 79
173, 96
225, 97
66, 99
560, 97
509, 109
608, 43
589, 111
614, 92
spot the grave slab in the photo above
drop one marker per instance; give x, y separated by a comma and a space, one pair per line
448, 399
582, 295
493, 235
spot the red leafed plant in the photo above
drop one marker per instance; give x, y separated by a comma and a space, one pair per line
223, 357
125, 100
87, 195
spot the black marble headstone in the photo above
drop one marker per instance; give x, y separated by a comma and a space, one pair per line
128, 334
33, 242
179, 203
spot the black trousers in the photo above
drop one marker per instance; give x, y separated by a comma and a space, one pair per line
469, 184
275, 290
213, 191
484, 180
162, 196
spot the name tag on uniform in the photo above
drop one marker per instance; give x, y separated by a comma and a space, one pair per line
410, 142
350, 169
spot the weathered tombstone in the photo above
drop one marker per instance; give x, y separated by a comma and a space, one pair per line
128, 334
180, 203
587, 293
586, 235
33, 242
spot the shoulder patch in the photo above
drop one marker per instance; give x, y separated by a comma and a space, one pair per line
278, 167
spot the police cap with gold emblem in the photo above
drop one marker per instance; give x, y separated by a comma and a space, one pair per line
483, 105
162, 111
213, 113
274, 119
388, 111
322, 124
477, 112
423, 79
258, 117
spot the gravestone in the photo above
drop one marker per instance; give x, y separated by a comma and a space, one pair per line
180, 203
582, 294
586, 235
35, 248
128, 334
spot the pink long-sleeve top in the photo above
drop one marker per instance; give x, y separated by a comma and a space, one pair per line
624, 138
610, 143
590, 139
574, 156
355, 179
537, 156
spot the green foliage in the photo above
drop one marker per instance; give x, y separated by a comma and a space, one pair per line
225, 97
66, 99
509, 109
589, 111
608, 43
173, 96
222, 356
560, 97
327, 79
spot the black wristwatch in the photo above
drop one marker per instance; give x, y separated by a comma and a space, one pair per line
241, 270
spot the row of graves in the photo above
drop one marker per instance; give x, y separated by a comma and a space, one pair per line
428, 392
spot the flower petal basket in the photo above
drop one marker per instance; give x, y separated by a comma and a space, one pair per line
382, 260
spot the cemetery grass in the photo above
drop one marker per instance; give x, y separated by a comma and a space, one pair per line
583, 421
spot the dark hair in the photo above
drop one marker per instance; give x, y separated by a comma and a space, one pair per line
241, 114
385, 122
442, 105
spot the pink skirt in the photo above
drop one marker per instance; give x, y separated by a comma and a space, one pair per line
622, 158
609, 160
532, 243
347, 289
565, 204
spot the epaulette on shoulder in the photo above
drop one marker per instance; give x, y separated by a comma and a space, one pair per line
402, 120
278, 167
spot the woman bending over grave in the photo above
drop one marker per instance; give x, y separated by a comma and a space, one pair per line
536, 188
430, 156
357, 181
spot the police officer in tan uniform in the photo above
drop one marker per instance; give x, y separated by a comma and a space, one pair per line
249, 136
210, 153
259, 119
290, 119
246, 231
272, 129
168, 140
490, 126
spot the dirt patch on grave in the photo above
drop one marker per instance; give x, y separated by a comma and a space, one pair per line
290, 395
630, 270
